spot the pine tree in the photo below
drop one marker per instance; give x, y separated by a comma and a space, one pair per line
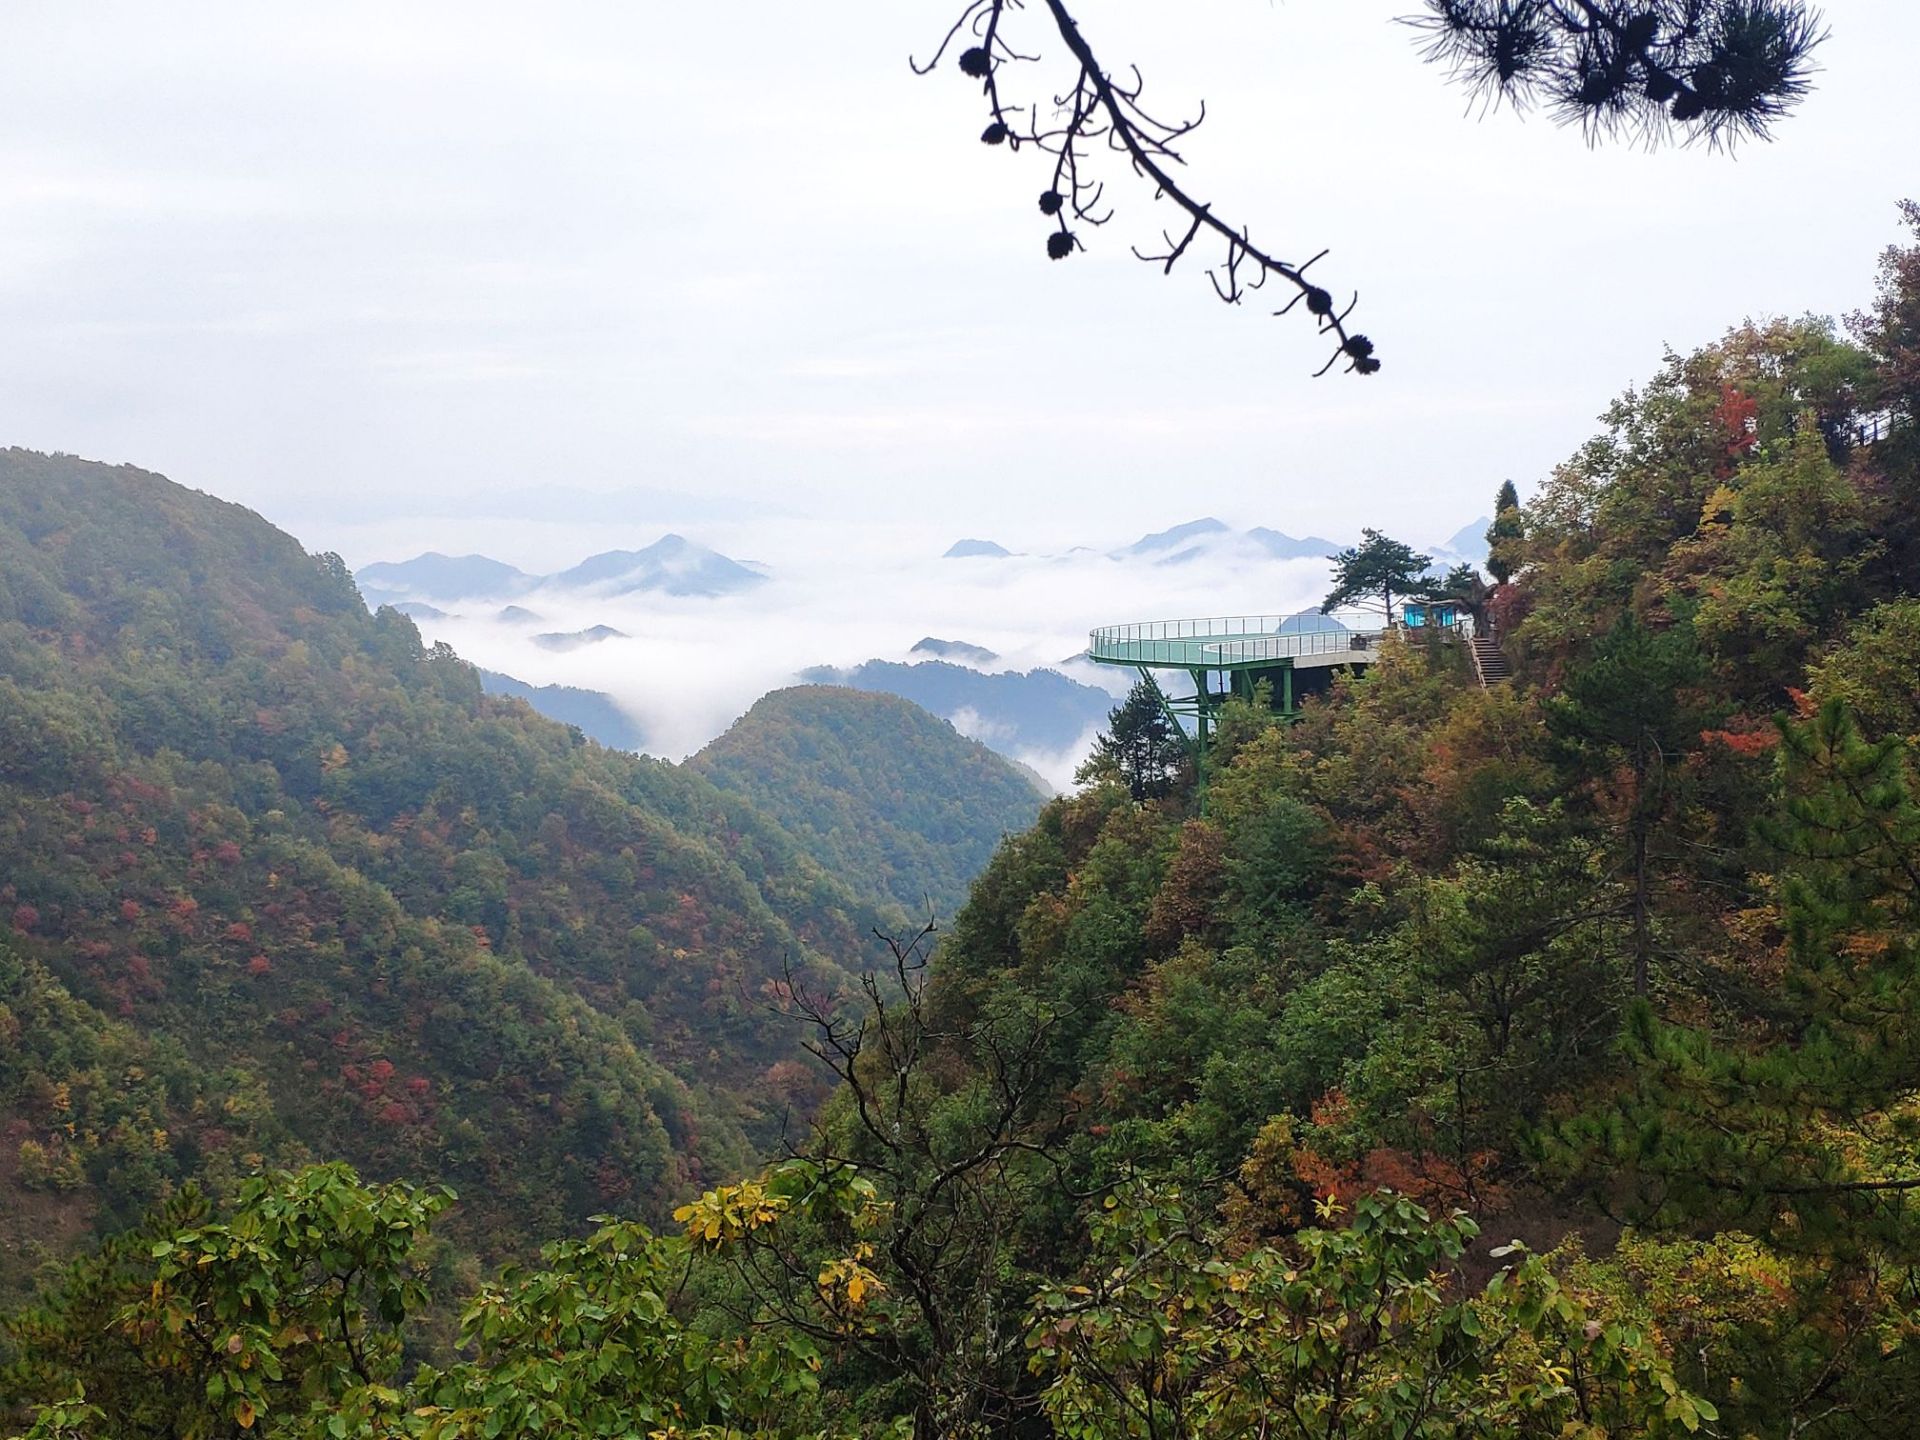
1622, 723
1802, 1134
1376, 566
1505, 534
1141, 747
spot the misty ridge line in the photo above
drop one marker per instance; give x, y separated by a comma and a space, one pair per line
675, 565
672, 565
992, 643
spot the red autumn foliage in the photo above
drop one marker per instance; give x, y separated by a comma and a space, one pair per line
1750, 741
1437, 1182
1738, 419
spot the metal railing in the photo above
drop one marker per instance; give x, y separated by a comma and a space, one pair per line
1287, 647
1220, 641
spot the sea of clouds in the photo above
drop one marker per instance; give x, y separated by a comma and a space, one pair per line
690, 666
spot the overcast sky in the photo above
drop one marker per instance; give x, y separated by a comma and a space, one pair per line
527, 277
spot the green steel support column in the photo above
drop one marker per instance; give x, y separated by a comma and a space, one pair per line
1203, 706
1286, 688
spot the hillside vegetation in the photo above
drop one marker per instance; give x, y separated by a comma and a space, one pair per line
356, 907
876, 787
1536, 1061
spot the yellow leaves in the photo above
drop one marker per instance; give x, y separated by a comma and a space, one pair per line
334, 758
726, 1215
243, 1415
847, 1283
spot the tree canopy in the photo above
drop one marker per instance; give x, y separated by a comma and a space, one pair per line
1375, 571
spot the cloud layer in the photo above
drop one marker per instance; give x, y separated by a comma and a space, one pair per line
685, 668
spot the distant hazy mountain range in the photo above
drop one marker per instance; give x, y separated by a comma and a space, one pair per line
672, 565
1210, 538
1178, 545
1040, 711
588, 711
1198, 538
1310, 622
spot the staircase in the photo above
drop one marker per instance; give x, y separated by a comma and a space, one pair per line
1489, 663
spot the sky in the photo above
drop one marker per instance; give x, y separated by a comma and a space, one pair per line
543, 280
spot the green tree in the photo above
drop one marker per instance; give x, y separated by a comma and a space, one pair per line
1874, 670
1348, 1333
601, 1340
1624, 722
1380, 567
1505, 534
890, 1239
1799, 1130
1465, 585
1141, 749
291, 1307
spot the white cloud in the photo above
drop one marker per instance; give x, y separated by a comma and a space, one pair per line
690, 667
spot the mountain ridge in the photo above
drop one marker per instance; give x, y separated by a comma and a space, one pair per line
672, 565
384, 915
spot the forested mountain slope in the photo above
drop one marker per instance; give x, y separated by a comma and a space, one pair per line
1633, 940
380, 914
1539, 1061
876, 787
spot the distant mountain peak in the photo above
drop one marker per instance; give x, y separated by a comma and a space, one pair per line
976, 549
1468, 543
1178, 535
955, 650
442, 577
672, 565
1284, 547
1310, 622
578, 639
594, 714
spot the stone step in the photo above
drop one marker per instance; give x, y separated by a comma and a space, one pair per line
1490, 664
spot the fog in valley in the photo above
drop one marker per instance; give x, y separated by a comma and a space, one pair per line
685, 666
